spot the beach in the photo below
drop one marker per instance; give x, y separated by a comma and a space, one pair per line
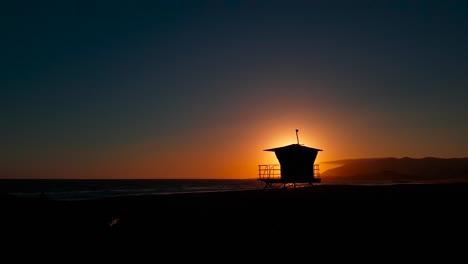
327, 212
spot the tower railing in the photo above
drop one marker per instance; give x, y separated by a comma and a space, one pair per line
316, 171
273, 171
269, 171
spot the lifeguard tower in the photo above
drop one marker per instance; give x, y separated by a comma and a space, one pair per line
296, 165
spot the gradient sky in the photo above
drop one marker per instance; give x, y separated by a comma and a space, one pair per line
197, 89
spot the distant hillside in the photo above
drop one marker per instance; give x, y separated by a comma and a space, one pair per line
396, 169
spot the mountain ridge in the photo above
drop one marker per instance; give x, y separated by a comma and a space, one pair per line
398, 169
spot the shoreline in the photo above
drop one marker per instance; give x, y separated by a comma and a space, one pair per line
16, 191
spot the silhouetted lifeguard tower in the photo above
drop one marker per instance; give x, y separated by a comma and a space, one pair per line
296, 165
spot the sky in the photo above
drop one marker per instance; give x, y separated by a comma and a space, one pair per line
198, 89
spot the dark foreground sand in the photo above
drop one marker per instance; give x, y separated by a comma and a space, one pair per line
324, 214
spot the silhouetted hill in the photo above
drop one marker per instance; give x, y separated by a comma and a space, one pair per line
403, 169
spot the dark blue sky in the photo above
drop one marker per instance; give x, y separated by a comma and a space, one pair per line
85, 83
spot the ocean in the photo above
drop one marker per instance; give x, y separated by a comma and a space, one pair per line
95, 189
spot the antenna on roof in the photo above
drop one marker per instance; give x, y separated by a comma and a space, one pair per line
297, 136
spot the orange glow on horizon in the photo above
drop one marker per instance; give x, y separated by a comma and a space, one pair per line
229, 150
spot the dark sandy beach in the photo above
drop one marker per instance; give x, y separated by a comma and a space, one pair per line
328, 212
